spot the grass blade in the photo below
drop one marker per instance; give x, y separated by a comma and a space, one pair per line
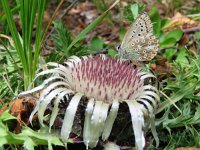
90, 27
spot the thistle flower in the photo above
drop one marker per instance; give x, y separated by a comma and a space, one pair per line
105, 82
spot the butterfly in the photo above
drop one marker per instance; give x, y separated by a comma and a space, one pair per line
139, 43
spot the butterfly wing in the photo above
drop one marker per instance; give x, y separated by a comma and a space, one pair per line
139, 43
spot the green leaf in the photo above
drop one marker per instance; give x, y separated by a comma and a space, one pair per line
135, 10
6, 116
2, 141
96, 43
29, 144
3, 129
42, 136
155, 18
176, 34
177, 96
197, 35
56, 141
89, 28
171, 38
112, 52
167, 42
121, 33
196, 18
62, 38
28, 137
164, 22
196, 136
181, 58
169, 53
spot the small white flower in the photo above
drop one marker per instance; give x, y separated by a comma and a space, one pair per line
105, 82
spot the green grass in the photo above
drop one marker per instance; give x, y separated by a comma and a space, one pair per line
28, 54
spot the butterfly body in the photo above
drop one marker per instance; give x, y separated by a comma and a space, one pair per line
139, 43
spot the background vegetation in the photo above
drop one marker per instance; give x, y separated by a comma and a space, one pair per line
35, 32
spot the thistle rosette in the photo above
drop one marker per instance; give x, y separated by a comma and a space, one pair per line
105, 82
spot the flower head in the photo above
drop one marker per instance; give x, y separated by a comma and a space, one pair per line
105, 79
105, 82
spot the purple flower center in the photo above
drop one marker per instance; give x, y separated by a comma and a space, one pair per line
106, 79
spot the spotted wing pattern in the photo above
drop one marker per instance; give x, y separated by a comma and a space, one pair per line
139, 43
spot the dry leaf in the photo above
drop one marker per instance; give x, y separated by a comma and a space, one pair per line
180, 22
162, 68
187, 148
